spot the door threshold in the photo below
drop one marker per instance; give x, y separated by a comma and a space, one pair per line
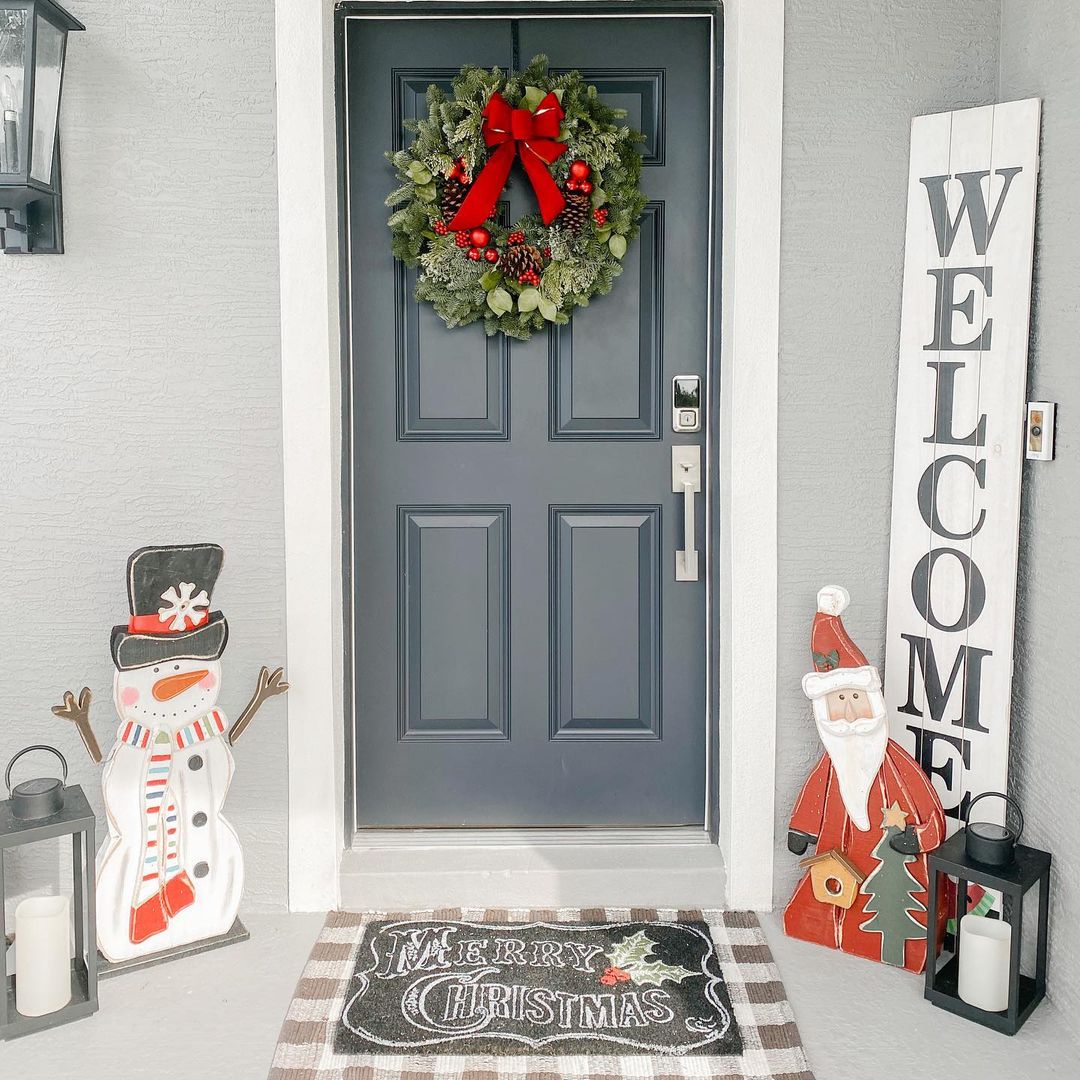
425, 869
537, 837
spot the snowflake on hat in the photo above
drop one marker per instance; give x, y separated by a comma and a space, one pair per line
182, 608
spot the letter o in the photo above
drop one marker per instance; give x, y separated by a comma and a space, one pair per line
974, 589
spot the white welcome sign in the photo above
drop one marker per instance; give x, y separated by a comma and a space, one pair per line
959, 445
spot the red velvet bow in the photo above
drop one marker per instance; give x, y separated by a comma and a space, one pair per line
530, 135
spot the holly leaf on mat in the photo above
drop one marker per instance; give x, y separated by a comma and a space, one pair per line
632, 956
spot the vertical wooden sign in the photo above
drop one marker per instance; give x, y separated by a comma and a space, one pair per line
959, 445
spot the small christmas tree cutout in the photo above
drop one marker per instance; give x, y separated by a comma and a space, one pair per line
630, 962
890, 890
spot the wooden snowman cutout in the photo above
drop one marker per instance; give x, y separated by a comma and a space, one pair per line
171, 871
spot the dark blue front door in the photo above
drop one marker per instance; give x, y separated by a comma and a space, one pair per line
523, 653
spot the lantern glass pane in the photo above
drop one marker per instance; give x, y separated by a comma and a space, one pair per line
48, 64
12, 74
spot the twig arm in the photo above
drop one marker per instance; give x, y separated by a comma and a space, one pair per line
269, 684
78, 712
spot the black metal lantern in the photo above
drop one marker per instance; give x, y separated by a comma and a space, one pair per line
33, 40
945, 976
63, 812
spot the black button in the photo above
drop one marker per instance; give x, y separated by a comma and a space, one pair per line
201, 869
194, 763
199, 820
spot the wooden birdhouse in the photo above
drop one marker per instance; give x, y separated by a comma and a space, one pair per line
834, 879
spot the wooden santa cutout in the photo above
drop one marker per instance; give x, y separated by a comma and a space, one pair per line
868, 809
170, 872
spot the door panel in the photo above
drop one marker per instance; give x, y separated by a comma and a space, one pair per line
606, 363
523, 654
605, 596
453, 607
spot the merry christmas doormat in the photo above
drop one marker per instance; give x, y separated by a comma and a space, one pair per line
594, 994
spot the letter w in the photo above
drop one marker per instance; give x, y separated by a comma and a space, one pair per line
973, 204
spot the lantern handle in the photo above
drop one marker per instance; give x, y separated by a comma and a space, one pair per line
26, 750
997, 795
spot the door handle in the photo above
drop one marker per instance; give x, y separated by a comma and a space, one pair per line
686, 477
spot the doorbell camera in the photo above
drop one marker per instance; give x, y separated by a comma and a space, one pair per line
1039, 431
686, 403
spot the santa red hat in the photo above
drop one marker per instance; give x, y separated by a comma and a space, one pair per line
838, 661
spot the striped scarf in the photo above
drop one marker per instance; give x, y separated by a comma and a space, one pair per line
162, 826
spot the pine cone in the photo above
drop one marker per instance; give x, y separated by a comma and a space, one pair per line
519, 260
451, 197
576, 211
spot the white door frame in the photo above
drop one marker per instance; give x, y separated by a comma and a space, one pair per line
746, 485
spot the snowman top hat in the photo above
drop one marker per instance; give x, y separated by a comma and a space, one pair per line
169, 590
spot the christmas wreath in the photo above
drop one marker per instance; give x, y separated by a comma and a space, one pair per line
583, 166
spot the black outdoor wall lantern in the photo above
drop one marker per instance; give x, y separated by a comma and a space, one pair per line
33, 39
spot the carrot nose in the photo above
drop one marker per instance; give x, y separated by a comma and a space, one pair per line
172, 685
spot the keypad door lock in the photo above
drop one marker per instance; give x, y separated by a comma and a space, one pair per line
686, 403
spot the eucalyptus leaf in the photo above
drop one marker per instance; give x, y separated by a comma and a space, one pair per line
617, 244
500, 301
490, 279
603, 233
529, 300
598, 197
421, 176
548, 309
533, 96
426, 192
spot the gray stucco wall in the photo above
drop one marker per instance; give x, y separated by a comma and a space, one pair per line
139, 401
1040, 57
854, 75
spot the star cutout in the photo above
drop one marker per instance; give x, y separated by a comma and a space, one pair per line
893, 815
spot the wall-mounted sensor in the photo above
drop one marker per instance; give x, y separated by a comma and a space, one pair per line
1039, 431
686, 403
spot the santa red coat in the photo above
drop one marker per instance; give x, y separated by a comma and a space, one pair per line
820, 812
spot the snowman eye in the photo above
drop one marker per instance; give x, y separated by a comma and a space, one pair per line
855, 697
841, 697
156, 670
176, 667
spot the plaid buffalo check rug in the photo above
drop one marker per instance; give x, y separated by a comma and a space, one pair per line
593, 994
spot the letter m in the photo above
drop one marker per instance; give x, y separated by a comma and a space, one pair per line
968, 660
415, 950
973, 204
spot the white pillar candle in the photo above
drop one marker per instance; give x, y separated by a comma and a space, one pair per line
985, 947
42, 955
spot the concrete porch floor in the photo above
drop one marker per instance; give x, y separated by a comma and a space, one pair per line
859, 1021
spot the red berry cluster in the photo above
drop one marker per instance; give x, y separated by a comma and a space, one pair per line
459, 172
579, 177
441, 228
476, 240
530, 277
600, 215
547, 253
516, 237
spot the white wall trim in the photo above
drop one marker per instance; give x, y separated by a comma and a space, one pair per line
307, 228
749, 370
306, 156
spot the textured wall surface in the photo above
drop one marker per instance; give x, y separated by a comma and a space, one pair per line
855, 73
139, 401
1040, 57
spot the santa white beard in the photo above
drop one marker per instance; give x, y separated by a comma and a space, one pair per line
856, 751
